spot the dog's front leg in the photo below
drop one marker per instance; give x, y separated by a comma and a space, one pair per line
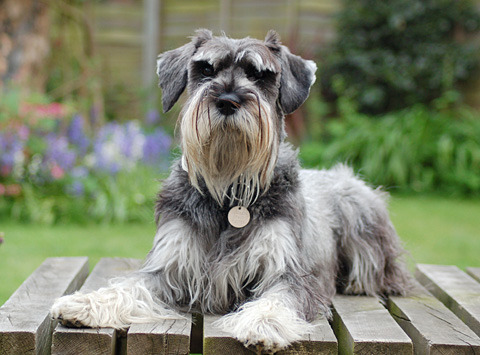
271, 322
127, 300
145, 296
288, 295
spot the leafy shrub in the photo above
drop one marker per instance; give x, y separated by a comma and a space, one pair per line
55, 167
421, 148
393, 54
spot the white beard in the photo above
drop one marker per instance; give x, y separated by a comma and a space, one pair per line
235, 155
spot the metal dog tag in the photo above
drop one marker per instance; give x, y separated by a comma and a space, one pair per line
238, 216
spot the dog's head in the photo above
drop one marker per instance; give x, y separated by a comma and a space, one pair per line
232, 123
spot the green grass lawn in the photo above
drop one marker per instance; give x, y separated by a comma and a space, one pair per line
434, 230
26, 246
437, 230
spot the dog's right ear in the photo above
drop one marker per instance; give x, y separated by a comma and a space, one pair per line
172, 68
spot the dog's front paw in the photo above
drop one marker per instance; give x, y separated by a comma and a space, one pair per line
74, 311
265, 325
256, 339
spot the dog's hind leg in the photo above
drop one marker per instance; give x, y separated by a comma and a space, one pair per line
369, 249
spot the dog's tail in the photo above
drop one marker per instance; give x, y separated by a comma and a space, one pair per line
369, 250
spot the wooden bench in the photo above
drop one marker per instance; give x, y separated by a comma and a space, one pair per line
443, 317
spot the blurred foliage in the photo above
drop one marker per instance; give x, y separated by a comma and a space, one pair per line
80, 68
127, 197
55, 167
393, 54
74, 71
421, 148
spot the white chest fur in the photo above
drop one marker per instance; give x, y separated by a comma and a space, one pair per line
208, 277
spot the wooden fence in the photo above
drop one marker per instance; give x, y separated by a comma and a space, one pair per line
120, 30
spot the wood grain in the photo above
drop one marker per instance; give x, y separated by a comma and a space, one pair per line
216, 341
457, 290
474, 272
433, 328
363, 326
166, 337
25, 323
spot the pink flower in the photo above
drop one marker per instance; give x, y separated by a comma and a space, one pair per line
57, 172
2, 190
13, 190
5, 170
53, 110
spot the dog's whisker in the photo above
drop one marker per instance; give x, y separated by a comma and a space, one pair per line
209, 118
196, 120
260, 119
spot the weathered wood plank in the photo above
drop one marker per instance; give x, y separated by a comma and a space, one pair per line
322, 341
166, 337
474, 272
433, 328
455, 289
363, 326
25, 323
218, 342
87, 340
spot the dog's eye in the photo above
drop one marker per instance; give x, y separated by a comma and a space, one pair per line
207, 69
254, 73
258, 74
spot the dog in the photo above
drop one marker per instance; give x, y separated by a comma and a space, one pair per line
242, 230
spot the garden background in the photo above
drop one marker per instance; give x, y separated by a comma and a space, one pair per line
84, 143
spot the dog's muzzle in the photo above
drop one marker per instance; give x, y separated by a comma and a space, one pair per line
228, 103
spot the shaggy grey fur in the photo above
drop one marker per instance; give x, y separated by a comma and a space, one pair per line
311, 233
283, 200
367, 247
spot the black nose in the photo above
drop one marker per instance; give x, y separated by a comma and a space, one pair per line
228, 103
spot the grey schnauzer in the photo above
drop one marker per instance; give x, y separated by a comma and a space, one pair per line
241, 229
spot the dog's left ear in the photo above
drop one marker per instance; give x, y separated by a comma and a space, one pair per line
297, 76
172, 67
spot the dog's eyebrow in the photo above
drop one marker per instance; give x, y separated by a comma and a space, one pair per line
211, 58
260, 62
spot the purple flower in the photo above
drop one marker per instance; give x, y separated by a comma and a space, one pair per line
11, 152
157, 146
130, 140
106, 151
59, 153
76, 188
118, 147
152, 118
76, 134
